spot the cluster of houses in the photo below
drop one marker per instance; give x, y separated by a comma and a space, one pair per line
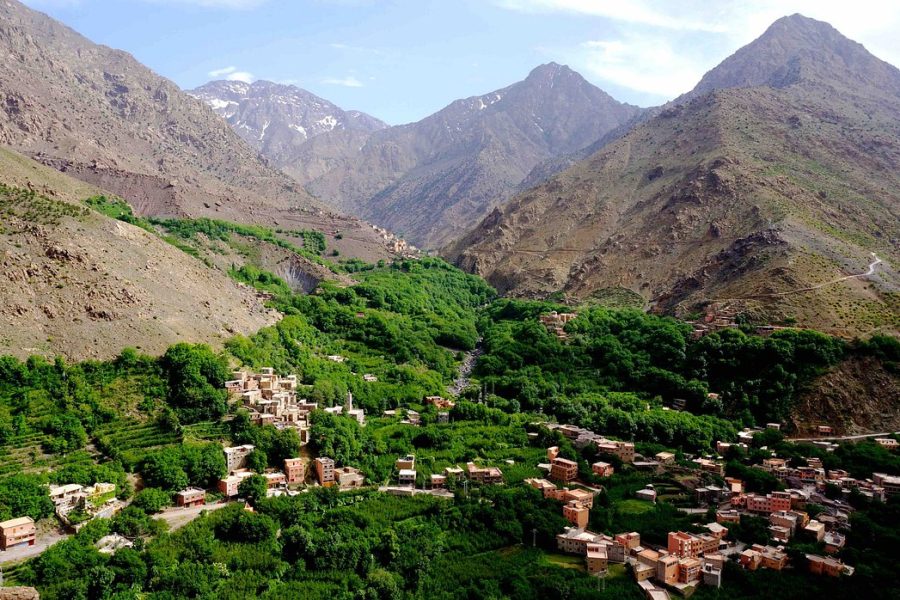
716, 317
406, 474
87, 502
70, 499
583, 438
395, 244
272, 400
688, 561
813, 474
555, 322
577, 502
236, 462
331, 475
412, 417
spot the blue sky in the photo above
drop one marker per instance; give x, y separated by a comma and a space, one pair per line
401, 60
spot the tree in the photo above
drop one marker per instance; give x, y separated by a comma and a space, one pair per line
204, 463
257, 461
163, 469
152, 500
253, 489
24, 495
196, 376
133, 522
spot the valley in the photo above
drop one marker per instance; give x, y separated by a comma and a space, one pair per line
539, 343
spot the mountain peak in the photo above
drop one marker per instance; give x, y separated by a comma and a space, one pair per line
275, 118
797, 49
551, 71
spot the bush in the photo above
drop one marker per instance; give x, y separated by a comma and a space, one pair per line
152, 500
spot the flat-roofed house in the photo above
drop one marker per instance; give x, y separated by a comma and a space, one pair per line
64, 495
18, 531
597, 559
190, 497
563, 469
294, 470
407, 477
349, 477
236, 456
407, 462
576, 514
325, 471
602, 469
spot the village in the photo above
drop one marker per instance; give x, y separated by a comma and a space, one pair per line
686, 561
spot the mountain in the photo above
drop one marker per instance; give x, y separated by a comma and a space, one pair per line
434, 179
100, 116
780, 172
278, 119
82, 285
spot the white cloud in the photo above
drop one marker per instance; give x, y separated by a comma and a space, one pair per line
241, 76
349, 81
645, 65
223, 71
629, 11
231, 73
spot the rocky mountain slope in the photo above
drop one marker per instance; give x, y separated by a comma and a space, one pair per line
99, 115
780, 172
81, 285
858, 396
278, 119
433, 179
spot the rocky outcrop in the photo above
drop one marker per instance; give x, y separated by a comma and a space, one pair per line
19, 593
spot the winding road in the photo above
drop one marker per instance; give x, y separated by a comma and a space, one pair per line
844, 438
869, 271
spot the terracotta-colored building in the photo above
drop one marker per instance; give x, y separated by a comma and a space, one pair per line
325, 471
18, 531
190, 497
294, 470
576, 514
563, 469
602, 469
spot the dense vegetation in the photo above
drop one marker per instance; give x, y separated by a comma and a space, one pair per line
756, 379
408, 324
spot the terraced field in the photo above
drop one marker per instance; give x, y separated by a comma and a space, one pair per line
25, 453
131, 441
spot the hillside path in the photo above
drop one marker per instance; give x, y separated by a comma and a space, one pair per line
869, 271
843, 437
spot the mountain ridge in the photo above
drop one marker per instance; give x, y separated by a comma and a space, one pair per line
100, 115
720, 198
433, 178
276, 119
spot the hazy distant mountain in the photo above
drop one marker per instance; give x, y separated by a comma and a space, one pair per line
101, 116
278, 119
779, 172
433, 179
